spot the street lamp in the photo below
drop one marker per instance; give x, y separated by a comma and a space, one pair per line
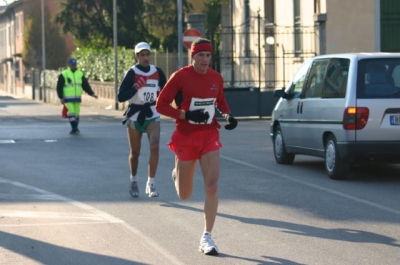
271, 41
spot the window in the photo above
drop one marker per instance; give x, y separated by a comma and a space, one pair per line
295, 88
315, 83
3, 37
269, 11
17, 25
297, 28
247, 28
378, 78
317, 6
17, 69
1, 75
335, 83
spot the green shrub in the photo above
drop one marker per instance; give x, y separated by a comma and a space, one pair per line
99, 64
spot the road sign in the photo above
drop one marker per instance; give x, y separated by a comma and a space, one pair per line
189, 36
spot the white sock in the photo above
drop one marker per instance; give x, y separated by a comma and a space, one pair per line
150, 180
133, 178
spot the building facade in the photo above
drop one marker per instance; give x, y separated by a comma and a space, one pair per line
263, 42
13, 17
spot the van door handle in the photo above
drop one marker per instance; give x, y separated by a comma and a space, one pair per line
300, 108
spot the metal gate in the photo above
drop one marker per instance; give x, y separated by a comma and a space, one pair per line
264, 58
256, 59
390, 24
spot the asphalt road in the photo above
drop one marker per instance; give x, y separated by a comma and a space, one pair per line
64, 199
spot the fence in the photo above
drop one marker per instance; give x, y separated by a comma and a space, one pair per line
266, 58
253, 63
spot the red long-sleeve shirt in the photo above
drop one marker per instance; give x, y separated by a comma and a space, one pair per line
192, 85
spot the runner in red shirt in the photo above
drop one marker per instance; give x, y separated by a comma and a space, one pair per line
197, 90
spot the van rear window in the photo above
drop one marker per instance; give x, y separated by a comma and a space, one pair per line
378, 78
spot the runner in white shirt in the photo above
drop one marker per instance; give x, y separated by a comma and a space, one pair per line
140, 87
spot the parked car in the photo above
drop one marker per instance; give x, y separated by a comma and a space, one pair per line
344, 108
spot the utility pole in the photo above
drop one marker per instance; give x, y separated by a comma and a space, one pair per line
180, 42
259, 65
115, 53
43, 54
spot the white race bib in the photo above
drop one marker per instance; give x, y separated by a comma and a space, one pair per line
148, 93
208, 104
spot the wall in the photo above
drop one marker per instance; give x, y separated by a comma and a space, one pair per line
350, 26
242, 102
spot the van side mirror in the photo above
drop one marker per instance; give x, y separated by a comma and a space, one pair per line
280, 93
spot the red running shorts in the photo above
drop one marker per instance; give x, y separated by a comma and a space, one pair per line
192, 146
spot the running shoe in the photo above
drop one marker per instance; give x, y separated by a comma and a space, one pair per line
207, 245
151, 190
134, 189
173, 175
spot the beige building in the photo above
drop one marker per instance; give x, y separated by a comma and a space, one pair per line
263, 42
353, 26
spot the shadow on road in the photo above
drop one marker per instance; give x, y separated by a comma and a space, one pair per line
46, 253
273, 260
340, 234
363, 172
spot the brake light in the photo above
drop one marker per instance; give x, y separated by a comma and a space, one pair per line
355, 118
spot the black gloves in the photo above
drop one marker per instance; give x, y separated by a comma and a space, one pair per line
198, 116
201, 116
232, 122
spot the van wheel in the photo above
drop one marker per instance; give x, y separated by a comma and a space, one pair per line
281, 156
335, 167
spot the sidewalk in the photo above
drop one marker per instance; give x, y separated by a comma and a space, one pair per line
13, 106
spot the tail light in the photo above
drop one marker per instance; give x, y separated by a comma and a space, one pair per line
355, 118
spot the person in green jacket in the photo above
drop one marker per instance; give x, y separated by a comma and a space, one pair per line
70, 86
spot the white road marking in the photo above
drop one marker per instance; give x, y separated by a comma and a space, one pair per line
7, 142
51, 215
52, 224
340, 194
100, 216
42, 197
49, 195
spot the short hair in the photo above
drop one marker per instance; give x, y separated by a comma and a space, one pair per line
200, 40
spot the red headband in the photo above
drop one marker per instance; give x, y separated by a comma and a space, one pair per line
201, 47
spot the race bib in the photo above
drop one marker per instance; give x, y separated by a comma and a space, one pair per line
208, 104
148, 93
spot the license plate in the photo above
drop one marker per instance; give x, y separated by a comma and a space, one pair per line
394, 119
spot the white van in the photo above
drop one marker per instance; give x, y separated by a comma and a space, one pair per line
344, 108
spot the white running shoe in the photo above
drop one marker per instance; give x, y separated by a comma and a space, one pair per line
173, 175
207, 245
151, 190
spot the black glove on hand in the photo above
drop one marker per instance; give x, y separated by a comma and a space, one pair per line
232, 122
197, 116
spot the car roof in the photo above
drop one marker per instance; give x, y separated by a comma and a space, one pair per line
360, 55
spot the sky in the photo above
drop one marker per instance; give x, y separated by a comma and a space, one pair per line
5, 2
